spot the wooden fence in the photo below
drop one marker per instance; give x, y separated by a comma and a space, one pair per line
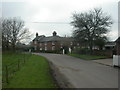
9, 70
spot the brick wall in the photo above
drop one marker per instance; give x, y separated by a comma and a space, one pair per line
48, 45
118, 48
57, 45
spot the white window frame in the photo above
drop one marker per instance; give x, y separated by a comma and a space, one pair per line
40, 48
71, 43
53, 43
53, 48
45, 48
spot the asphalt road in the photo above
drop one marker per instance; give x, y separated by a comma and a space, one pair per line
84, 74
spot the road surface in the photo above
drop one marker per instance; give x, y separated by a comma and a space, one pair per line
84, 74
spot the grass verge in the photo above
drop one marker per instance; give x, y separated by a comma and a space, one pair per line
34, 74
88, 57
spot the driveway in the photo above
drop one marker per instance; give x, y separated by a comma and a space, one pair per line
108, 61
82, 73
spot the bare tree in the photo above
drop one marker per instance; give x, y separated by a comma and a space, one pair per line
13, 31
90, 26
6, 33
0, 34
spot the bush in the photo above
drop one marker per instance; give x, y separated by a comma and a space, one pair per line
81, 51
103, 52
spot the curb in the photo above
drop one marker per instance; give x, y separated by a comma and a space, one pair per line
104, 64
117, 67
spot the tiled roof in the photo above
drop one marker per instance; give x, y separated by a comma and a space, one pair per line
39, 38
50, 38
110, 44
118, 40
42, 38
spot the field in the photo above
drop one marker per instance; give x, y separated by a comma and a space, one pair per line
33, 72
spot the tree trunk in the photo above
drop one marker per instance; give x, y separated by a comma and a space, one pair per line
13, 46
91, 50
7, 45
91, 47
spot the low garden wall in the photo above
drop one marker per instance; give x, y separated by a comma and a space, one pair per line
94, 52
103, 52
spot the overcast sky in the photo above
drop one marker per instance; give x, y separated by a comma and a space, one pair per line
55, 15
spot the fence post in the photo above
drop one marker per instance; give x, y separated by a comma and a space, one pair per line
7, 74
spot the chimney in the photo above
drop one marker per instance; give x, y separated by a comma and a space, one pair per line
36, 34
54, 33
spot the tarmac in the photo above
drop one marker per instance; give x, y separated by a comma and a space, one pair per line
71, 72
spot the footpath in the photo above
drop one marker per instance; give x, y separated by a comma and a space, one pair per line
107, 62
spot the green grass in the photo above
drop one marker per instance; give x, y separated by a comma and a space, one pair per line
33, 74
88, 57
9, 57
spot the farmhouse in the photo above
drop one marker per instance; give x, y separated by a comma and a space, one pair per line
54, 42
118, 46
110, 45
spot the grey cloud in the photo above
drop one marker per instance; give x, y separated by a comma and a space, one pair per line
59, 13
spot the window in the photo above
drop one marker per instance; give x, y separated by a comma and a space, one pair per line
45, 43
45, 48
53, 43
35, 42
53, 47
40, 48
61, 45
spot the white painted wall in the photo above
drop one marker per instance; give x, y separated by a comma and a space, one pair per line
116, 60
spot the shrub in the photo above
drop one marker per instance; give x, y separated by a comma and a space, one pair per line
81, 51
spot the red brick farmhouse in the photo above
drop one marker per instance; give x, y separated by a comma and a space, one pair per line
52, 43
